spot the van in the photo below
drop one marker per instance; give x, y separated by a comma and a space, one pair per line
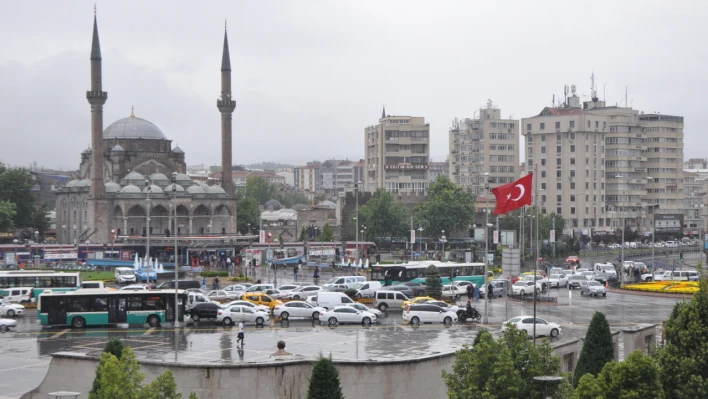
344, 280
368, 289
194, 298
608, 269
17, 294
676, 275
389, 299
329, 300
181, 284
93, 284
124, 275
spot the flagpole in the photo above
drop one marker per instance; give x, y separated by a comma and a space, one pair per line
486, 246
535, 272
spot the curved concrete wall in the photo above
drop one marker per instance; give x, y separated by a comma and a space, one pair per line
405, 379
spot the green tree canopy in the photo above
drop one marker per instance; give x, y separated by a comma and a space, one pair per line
598, 349
324, 383
247, 212
637, 377
448, 207
259, 189
433, 282
16, 187
383, 217
8, 210
327, 235
303, 235
502, 368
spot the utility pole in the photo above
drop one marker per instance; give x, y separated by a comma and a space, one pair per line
553, 222
535, 272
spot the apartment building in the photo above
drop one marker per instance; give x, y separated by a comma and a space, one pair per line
397, 154
694, 203
483, 144
566, 145
308, 177
439, 169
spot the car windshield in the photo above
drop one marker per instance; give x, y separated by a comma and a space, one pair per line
520, 283
355, 286
593, 283
555, 276
125, 272
514, 320
332, 280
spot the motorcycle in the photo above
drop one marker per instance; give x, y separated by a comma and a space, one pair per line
465, 314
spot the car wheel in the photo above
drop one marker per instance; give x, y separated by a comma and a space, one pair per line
153, 321
554, 333
3, 328
10, 313
457, 297
227, 321
383, 307
581, 292
448, 320
523, 292
296, 297
284, 315
332, 321
604, 294
415, 320
195, 317
259, 321
366, 321
315, 315
358, 296
649, 279
78, 322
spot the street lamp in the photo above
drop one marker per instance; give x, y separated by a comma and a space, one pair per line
443, 240
486, 242
174, 195
653, 234
147, 222
420, 233
356, 192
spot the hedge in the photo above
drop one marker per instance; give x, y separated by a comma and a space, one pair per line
214, 274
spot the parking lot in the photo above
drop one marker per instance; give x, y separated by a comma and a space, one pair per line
26, 351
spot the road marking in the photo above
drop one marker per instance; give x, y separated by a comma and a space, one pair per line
149, 331
60, 333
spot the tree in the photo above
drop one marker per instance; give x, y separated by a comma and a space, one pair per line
16, 187
433, 282
324, 383
597, 350
8, 210
327, 235
115, 347
501, 368
259, 189
247, 211
449, 207
164, 387
383, 216
303, 235
684, 358
636, 377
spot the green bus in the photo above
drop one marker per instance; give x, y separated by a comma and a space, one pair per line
103, 307
40, 280
415, 271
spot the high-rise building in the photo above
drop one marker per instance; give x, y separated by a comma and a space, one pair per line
566, 146
397, 154
484, 144
439, 169
308, 177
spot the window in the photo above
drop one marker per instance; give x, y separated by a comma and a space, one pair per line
572, 198
558, 149
572, 173
543, 150
543, 126
559, 137
558, 125
543, 162
572, 148
543, 137
558, 161
543, 186
597, 124
572, 185
528, 127
543, 198
572, 161
572, 210
572, 124
559, 211
558, 198
559, 186
543, 173
558, 173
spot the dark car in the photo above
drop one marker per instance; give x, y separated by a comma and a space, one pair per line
575, 280
181, 284
418, 288
403, 289
204, 310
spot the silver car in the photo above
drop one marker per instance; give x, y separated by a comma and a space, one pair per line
592, 287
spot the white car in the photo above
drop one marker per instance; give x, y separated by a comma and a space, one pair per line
453, 291
656, 276
221, 295
558, 280
303, 292
543, 327
445, 306
523, 287
287, 288
347, 314
276, 294
135, 287
312, 300
428, 313
6, 324
362, 307
236, 288
297, 309
238, 313
11, 309
261, 308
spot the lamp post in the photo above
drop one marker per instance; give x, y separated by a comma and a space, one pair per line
147, 222
113, 241
420, 233
486, 244
174, 195
443, 240
653, 234
356, 192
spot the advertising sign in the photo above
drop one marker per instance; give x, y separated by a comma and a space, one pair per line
668, 223
261, 237
553, 236
413, 236
496, 236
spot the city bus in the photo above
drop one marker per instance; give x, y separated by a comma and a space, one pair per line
415, 271
40, 280
101, 307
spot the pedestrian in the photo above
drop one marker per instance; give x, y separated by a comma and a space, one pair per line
490, 291
316, 276
476, 293
228, 262
204, 286
470, 291
216, 282
240, 338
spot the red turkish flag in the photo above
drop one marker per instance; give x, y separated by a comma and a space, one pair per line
513, 195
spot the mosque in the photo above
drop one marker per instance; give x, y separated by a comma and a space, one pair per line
132, 178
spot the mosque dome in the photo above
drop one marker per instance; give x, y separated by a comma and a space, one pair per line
215, 190
168, 188
134, 176
154, 189
183, 179
72, 183
272, 205
133, 128
196, 189
327, 205
117, 148
158, 177
130, 189
112, 187
84, 183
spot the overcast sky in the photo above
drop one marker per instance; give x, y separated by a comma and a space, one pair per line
309, 76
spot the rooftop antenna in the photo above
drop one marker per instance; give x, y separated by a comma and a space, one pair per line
593, 88
553, 103
625, 97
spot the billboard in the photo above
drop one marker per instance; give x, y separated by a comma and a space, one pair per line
668, 223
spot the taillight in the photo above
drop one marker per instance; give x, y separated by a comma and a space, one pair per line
409, 309
220, 313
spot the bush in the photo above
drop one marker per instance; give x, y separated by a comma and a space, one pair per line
241, 278
598, 348
324, 382
214, 274
433, 282
350, 292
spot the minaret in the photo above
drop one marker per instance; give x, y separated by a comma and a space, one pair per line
97, 97
226, 106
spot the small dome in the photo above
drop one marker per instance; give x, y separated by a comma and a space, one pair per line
134, 176
205, 186
215, 190
196, 189
300, 207
327, 205
183, 179
130, 189
177, 150
133, 128
157, 176
84, 183
117, 148
154, 189
168, 188
72, 183
112, 187
272, 205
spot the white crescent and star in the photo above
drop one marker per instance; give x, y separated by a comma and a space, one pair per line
523, 191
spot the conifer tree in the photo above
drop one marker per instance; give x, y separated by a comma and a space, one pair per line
597, 350
324, 382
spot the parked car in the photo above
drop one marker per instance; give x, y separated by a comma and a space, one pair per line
6, 324
135, 287
204, 310
244, 314
444, 305
592, 288
236, 288
526, 323
368, 288
303, 292
385, 299
297, 309
262, 299
418, 288
241, 302
523, 287
404, 289
558, 280
312, 300
575, 280
428, 313
221, 295
347, 314
413, 301
498, 289
652, 276
11, 309
362, 307
276, 293
287, 287
453, 291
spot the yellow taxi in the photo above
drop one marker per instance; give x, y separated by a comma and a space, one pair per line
420, 299
262, 299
